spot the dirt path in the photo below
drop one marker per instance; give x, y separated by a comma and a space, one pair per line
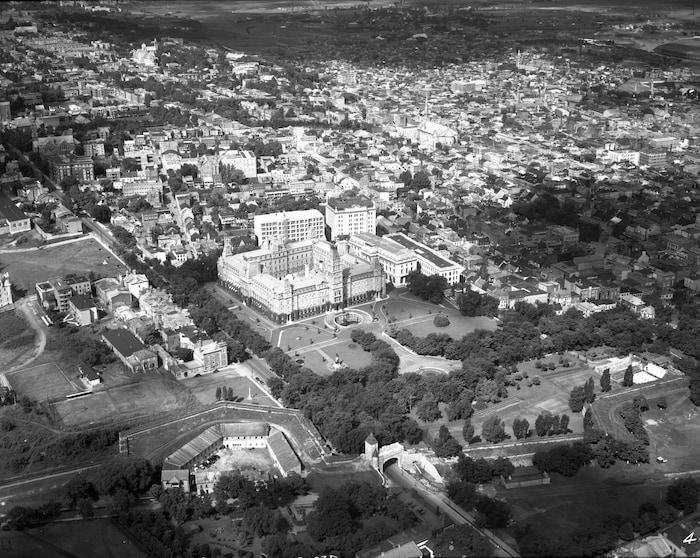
39, 343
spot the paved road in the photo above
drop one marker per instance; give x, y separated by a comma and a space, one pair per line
454, 512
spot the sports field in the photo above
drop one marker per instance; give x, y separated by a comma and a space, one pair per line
46, 381
33, 266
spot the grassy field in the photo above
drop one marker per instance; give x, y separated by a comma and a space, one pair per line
87, 539
145, 396
672, 432
46, 382
16, 337
30, 267
459, 325
567, 503
204, 387
301, 336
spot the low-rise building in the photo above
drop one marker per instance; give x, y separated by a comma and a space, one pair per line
82, 310
12, 218
429, 261
130, 350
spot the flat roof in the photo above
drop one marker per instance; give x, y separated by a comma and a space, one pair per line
421, 250
349, 203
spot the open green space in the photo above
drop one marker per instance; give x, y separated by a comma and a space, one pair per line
50, 382
300, 336
146, 396
16, 337
351, 354
33, 266
567, 503
318, 479
459, 325
88, 539
204, 387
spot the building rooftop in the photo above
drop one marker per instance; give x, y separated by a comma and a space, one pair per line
284, 453
123, 341
420, 250
9, 210
349, 203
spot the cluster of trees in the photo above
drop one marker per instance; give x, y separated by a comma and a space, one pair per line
631, 415
445, 445
493, 430
248, 494
582, 395
78, 341
427, 287
606, 449
467, 539
479, 471
565, 459
225, 394
601, 534
433, 344
21, 517
547, 424
491, 513
471, 303
336, 520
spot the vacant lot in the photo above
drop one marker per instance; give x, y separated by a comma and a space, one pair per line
45, 382
87, 539
30, 267
148, 395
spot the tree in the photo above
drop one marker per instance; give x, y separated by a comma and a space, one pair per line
445, 445
85, 508
564, 425
682, 494
521, 428
493, 430
464, 537
427, 410
589, 391
577, 399
605, 381
101, 213
628, 380
263, 521
218, 394
468, 430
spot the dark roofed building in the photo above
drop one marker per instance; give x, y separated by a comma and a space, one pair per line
12, 218
130, 350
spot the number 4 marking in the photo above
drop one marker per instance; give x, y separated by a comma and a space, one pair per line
690, 539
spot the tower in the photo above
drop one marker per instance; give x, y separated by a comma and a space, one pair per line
371, 452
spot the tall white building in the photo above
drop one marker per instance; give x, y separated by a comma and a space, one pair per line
348, 216
289, 226
396, 261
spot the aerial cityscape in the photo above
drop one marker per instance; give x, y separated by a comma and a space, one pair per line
350, 279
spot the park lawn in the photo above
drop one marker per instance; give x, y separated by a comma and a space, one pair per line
30, 267
349, 353
301, 336
459, 325
204, 388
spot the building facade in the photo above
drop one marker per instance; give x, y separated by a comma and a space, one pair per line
396, 261
347, 216
289, 226
297, 280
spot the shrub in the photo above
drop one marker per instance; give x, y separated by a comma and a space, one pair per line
536, 380
441, 321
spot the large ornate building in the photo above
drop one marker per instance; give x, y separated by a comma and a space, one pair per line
300, 279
